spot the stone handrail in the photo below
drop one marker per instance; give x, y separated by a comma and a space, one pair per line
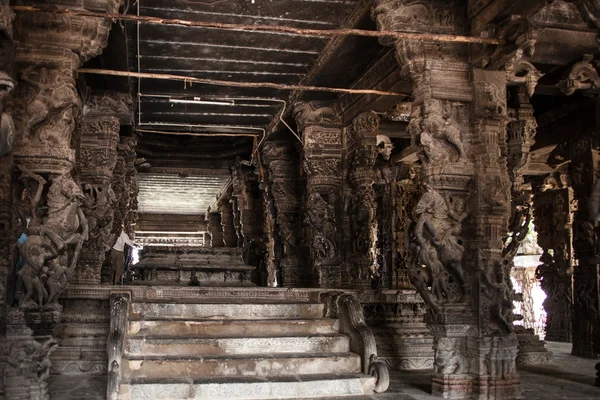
119, 311
348, 310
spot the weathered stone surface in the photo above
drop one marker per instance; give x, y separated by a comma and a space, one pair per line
227, 311
182, 346
338, 384
233, 328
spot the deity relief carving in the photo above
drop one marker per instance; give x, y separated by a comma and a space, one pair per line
49, 106
436, 270
320, 216
435, 130
52, 249
498, 295
450, 357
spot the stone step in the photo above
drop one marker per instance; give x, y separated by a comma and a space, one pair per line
226, 311
182, 346
270, 365
234, 388
233, 328
205, 277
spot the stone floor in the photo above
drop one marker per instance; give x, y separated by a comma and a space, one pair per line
569, 378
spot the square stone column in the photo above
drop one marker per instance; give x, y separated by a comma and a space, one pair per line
458, 125
322, 166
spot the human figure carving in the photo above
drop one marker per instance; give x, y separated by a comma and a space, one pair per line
437, 235
48, 252
320, 217
440, 126
499, 293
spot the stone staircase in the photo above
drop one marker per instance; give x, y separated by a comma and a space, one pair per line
232, 349
161, 265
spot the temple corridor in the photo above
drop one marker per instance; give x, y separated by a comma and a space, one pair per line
287, 199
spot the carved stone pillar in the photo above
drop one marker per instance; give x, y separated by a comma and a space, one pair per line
225, 209
103, 115
29, 344
458, 123
584, 170
215, 230
322, 165
362, 152
552, 209
283, 180
7, 134
125, 189
249, 203
50, 49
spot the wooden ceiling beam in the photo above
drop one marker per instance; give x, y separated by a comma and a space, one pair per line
262, 28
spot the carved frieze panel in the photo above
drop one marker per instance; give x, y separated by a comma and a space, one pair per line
110, 104
435, 16
46, 106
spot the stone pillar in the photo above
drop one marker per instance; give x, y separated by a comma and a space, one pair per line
283, 181
7, 134
361, 153
215, 230
521, 132
322, 166
225, 209
125, 189
458, 124
249, 203
50, 49
553, 219
103, 115
584, 170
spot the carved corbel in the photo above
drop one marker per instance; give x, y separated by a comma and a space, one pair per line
518, 36
312, 113
582, 76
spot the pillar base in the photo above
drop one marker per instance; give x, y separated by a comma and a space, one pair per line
455, 386
495, 388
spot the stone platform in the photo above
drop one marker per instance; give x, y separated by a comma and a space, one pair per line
163, 265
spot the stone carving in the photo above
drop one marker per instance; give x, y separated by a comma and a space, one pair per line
438, 248
309, 113
582, 76
450, 357
519, 37
497, 297
283, 178
28, 368
225, 209
384, 147
60, 239
590, 11
119, 311
7, 126
410, 15
434, 129
47, 104
320, 216
348, 310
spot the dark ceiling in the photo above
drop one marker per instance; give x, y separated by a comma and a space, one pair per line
165, 117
